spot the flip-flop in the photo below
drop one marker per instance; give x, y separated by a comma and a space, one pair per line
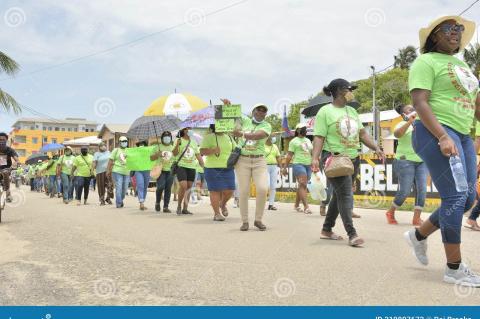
332, 236
298, 209
472, 227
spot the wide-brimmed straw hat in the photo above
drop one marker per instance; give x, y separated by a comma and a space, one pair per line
466, 35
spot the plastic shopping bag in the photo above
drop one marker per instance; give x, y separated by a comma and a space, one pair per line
317, 186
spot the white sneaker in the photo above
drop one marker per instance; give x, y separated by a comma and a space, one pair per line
462, 276
419, 247
235, 203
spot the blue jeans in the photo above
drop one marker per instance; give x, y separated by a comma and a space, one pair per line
448, 217
52, 184
121, 186
272, 170
67, 187
143, 178
302, 170
82, 184
410, 173
164, 183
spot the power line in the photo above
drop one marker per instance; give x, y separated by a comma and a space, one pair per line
203, 16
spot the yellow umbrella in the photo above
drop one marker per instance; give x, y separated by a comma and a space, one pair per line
177, 104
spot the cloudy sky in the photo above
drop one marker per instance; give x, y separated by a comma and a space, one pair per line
76, 54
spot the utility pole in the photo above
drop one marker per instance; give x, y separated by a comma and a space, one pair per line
376, 114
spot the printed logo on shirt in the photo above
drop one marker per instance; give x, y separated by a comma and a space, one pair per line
306, 147
123, 158
166, 155
251, 145
3, 160
466, 78
189, 153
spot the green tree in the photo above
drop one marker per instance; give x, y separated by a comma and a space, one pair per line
294, 113
391, 89
405, 57
10, 67
471, 55
275, 121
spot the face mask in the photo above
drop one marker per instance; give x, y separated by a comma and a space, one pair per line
303, 131
349, 96
3, 144
84, 152
123, 144
166, 140
255, 120
274, 140
68, 153
190, 133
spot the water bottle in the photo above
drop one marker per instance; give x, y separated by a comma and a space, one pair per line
458, 174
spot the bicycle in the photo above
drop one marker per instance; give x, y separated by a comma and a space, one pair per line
3, 194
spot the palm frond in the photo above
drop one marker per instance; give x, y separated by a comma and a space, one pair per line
8, 65
8, 103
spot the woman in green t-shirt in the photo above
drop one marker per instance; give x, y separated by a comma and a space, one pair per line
217, 147
252, 164
409, 168
300, 150
274, 161
82, 170
338, 127
444, 92
163, 153
187, 154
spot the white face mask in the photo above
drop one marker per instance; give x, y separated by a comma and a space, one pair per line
123, 144
166, 140
274, 140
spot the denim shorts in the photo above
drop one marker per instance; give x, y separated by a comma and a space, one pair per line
302, 170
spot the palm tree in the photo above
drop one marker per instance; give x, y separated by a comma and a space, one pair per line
471, 55
405, 57
10, 67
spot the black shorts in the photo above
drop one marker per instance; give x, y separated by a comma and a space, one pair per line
186, 174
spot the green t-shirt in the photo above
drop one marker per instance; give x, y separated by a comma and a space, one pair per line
252, 147
189, 160
301, 147
66, 163
52, 170
83, 165
42, 168
271, 153
477, 128
453, 88
340, 126
119, 158
167, 156
404, 147
226, 145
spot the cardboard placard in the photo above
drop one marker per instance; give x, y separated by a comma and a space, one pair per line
226, 116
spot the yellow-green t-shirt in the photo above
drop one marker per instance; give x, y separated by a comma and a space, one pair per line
52, 170
83, 165
167, 156
452, 85
226, 145
271, 153
404, 147
340, 126
66, 163
119, 158
477, 128
301, 147
254, 147
189, 159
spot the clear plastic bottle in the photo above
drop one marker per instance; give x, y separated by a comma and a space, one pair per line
458, 174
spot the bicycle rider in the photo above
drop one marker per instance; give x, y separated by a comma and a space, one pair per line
6, 155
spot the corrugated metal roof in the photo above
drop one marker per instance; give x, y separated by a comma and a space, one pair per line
59, 121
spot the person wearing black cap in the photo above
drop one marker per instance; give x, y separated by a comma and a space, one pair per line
82, 170
338, 130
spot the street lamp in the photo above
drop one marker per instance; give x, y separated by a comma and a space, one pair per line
376, 114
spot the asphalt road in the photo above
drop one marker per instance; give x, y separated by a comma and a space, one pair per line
57, 254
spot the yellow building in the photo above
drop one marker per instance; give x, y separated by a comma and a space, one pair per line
30, 134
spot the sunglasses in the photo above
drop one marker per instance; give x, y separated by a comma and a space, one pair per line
449, 28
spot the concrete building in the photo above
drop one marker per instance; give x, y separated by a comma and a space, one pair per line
30, 134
